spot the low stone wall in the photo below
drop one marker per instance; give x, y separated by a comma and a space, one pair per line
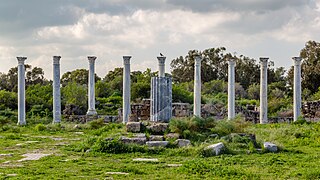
84, 118
311, 109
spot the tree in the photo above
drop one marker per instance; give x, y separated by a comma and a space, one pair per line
213, 65
8, 100
79, 76
34, 76
310, 71
39, 94
75, 94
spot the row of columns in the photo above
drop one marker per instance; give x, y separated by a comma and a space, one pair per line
263, 88
161, 61
56, 89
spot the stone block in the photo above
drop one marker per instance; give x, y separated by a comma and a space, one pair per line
270, 147
139, 141
215, 149
157, 143
133, 127
182, 142
170, 136
156, 138
158, 128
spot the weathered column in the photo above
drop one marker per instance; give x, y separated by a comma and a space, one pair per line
161, 61
126, 89
297, 88
197, 87
231, 89
21, 91
91, 83
264, 90
56, 90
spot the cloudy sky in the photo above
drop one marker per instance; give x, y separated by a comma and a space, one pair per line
110, 29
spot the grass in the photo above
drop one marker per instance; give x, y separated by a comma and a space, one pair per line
299, 158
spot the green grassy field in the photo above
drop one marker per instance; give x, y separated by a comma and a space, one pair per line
299, 157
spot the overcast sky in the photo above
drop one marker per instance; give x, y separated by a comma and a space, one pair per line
109, 29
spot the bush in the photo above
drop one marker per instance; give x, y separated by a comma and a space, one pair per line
40, 127
194, 128
96, 124
225, 127
114, 146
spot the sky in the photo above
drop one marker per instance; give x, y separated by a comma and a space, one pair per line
110, 29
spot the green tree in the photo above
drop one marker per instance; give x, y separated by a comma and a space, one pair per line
310, 67
75, 94
8, 100
79, 76
39, 94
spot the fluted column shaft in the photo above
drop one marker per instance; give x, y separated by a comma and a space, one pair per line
264, 90
91, 86
197, 87
231, 89
56, 90
161, 61
21, 92
297, 88
126, 89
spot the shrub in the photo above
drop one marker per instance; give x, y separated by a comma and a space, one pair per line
194, 128
40, 127
96, 124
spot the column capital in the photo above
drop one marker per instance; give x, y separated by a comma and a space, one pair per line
56, 59
197, 59
126, 59
161, 60
21, 60
264, 61
92, 59
231, 61
297, 61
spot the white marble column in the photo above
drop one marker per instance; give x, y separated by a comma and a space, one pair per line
197, 86
91, 85
126, 110
297, 88
21, 92
56, 90
161, 61
264, 90
231, 89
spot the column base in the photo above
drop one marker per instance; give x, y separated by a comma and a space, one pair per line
21, 123
92, 112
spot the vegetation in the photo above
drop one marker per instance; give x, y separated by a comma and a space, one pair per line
89, 155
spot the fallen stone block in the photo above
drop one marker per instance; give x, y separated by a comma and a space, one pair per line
215, 149
156, 138
157, 143
134, 127
140, 141
270, 147
158, 128
146, 160
182, 142
170, 136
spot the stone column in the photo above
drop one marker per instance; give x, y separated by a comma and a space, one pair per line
297, 88
126, 89
161, 61
56, 90
264, 90
231, 89
21, 92
91, 95
197, 86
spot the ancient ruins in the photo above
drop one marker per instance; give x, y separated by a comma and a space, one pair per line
160, 108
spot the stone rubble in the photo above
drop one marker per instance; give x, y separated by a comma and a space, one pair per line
216, 149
